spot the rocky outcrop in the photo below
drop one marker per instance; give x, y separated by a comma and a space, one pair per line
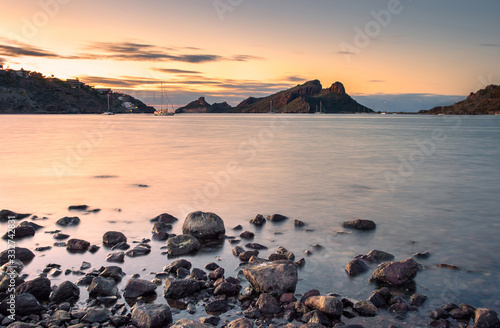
203, 225
201, 106
396, 273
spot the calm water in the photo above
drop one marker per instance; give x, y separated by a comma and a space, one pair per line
430, 184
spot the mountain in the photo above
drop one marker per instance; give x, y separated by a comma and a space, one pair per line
303, 98
201, 106
484, 101
30, 92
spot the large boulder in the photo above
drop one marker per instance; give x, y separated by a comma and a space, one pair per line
101, 286
330, 305
38, 287
19, 232
396, 273
275, 278
203, 225
65, 292
484, 318
111, 238
6, 215
182, 244
151, 316
179, 288
77, 245
138, 287
25, 304
20, 253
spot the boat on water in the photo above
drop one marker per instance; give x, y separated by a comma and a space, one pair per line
108, 112
164, 111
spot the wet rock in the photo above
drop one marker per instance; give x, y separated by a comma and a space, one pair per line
93, 248
119, 320
283, 251
141, 249
441, 323
366, 308
312, 292
198, 274
60, 317
60, 236
186, 323
485, 318
25, 304
356, 267
78, 207
396, 273
316, 317
22, 254
330, 305
217, 306
267, 304
19, 232
240, 323
96, 314
378, 299
359, 224
112, 271
160, 231
101, 286
398, 310
111, 238
298, 223
212, 320
14, 265
300, 263
6, 215
38, 287
417, 299
277, 257
68, 221
212, 265
182, 244
238, 227
237, 250
247, 235
77, 245
116, 257
175, 265
177, 288
138, 287
121, 246
43, 248
246, 255
277, 218
422, 255
182, 273
439, 314
216, 274
380, 256
448, 266
259, 220
255, 246
66, 292
203, 225
227, 289
165, 218
464, 312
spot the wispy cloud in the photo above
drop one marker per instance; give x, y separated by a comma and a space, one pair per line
175, 71
489, 44
245, 58
25, 50
294, 78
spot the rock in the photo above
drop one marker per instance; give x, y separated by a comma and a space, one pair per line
78, 207
141, 249
396, 273
377, 299
59, 318
422, 255
160, 231
165, 218
186, 323
111, 238
22, 254
298, 223
212, 320
330, 305
43, 248
182, 244
60, 236
19, 232
96, 314
380, 256
6, 215
14, 265
247, 235
66, 292
417, 299
240, 323
77, 245
312, 292
255, 246
398, 310
360, 224
114, 272
439, 314
238, 227
283, 251
464, 312
121, 246
25, 304
198, 274
276, 218
245, 256
68, 221
174, 266
441, 323
119, 320
101, 286
356, 267
93, 248
366, 308
38, 287
30, 224
177, 288
217, 307
138, 287
300, 263
315, 317
287, 298
212, 265
267, 304
259, 220
237, 250
275, 278
203, 225
116, 257
227, 289
216, 274
485, 318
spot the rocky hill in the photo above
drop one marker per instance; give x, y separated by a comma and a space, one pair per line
483, 102
309, 97
31, 92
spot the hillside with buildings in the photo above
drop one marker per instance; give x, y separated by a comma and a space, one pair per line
24, 91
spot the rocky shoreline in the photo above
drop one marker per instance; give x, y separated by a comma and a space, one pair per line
261, 294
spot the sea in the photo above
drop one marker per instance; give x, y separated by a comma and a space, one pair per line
430, 183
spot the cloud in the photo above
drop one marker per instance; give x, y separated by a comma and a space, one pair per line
489, 45
25, 50
175, 71
294, 79
123, 82
245, 58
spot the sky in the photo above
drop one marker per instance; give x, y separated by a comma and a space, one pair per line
394, 55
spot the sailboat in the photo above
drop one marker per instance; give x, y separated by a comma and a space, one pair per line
320, 109
163, 111
109, 112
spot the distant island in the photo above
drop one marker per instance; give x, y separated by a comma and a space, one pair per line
309, 97
23, 92
484, 102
